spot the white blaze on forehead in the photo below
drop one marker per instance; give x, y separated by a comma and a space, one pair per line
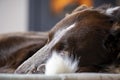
109, 11
58, 64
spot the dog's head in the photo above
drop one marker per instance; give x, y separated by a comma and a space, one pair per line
85, 37
85, 34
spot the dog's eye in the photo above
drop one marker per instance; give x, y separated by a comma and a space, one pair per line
59, 46
112, 20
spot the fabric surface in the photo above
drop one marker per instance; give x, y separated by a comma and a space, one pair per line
76, 76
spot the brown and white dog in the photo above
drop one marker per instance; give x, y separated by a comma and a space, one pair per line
87, 40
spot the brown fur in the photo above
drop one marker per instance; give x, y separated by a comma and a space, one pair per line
17, 47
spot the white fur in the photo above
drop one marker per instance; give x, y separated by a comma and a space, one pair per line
58, 64
109, 11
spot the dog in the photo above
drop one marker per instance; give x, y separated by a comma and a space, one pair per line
86, 40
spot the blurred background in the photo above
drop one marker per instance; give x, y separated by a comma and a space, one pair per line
39, 15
